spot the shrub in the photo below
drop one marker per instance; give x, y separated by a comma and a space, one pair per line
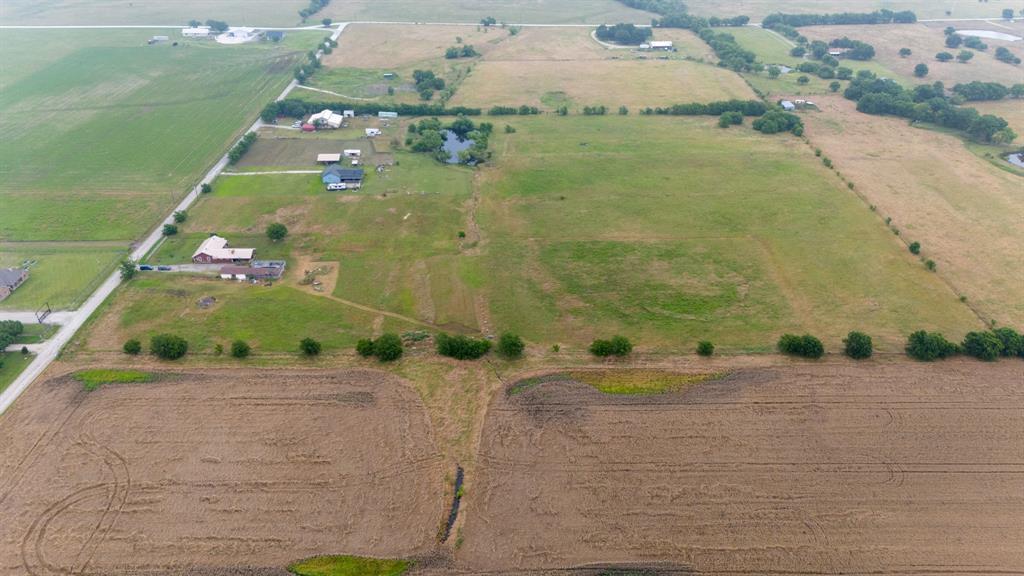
170, 230
985, 346
929, 346
168, 346
240, 349
310, 347
858, 345
705, 348
277, 231
617, 346
461, 347
806, 346
921, 70
364, 347
132, 347
930, 265
1013, 342
388, 348
180, 216
206, 188
915, 247
510, 346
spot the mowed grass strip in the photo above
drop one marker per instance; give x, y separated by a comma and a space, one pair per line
349, 566
671, 230
639, 382
11, 364
93, 379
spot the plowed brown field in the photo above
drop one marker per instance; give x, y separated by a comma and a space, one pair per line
216, 473
823, 469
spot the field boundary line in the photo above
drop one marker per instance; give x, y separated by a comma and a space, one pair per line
321, 90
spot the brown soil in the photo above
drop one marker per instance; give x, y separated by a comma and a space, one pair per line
216, 472
812, 469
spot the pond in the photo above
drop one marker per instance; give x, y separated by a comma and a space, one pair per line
989, 34
453, 145
1016, 159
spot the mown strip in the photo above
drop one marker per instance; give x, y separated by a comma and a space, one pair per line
349, 566
93, 379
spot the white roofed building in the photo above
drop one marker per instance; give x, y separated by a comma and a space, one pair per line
328, 118
661, 45
196, 32
215, 250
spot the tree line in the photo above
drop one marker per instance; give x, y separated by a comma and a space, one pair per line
978, 91
239, 149
716, 108
844, 18
925, 103
293, 108
626, 34
314, 7
523, 110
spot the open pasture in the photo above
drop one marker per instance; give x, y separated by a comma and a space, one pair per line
925, 41
673, 230
511, 11
60, 274
795, 470
758, 9
965, 212
216, 472
398, 45
150, 12
612, 83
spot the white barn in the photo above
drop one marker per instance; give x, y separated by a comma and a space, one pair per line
331, 119
196, 32
661, 45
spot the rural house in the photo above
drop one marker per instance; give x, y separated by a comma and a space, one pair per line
327, 118
335, 174
259, 270
215, 250
10, 279
661, 45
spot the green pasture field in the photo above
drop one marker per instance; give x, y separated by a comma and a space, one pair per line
272, 319
771, 48
758, 9
36, 333
62, 275
671, 230
13, 364
151, 12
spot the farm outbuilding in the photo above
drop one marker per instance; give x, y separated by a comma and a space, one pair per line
10, 279
787, 105
387, 114
259, 270
328, 158
196, 32
372, 132
353, 153
661, 45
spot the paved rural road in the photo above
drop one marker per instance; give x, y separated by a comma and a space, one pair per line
72, 321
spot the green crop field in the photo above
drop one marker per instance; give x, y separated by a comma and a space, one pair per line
103, 134
151, 12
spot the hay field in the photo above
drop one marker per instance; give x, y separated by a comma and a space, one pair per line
395, 46
216, 472
1011, 110
613, 83
899, 468
511, 11
672, 230
965, 212
758, 9
926, 40
150, 12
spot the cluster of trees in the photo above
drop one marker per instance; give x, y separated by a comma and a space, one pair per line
925, 103
304, 72
662, 7
298, 108
805, 346
845, 18
983, 345
626, 34
387, 348
167, 346
488, 21
954, 40
428, 136
730, 54
466, 51
426, 83
716, 108
523, 110
855, 49
314, 7
775, 121
462, 347
716, 22
239, 150
595, 110
9, 332
616, 346
822, 70
730, 119
215, 25
1003, 54
977, 91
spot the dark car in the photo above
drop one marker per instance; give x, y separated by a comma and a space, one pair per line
145, 267
163, 268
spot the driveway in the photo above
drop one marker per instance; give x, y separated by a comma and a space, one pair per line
192, 268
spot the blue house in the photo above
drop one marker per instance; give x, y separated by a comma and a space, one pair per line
335, 174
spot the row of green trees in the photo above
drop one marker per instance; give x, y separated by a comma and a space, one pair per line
9, 332
716, 108
625, 34
844, 18
977, 91
293, 108
465, 51
986, 345
174, 347
239, 149
314, 7
523, 110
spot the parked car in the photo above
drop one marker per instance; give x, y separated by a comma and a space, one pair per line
163, 268
297, 124
145, 267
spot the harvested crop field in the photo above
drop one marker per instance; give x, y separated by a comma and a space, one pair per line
398, 45
201, 473
806, 469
